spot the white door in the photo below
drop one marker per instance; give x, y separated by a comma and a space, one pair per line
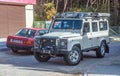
87, 36
95, 34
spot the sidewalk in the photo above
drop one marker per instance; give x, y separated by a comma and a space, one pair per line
115, 38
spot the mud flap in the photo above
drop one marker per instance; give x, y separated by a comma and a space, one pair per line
107, 49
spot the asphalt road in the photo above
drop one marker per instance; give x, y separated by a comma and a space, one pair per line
24, 64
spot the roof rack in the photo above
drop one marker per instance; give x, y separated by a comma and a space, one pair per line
81, 14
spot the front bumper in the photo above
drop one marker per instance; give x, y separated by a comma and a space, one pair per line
19, 47
51, 52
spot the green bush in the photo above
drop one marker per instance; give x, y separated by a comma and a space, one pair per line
39, 24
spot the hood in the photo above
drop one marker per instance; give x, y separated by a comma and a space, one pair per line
61, 34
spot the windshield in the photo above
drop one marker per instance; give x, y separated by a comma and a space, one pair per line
26, 33
67, 24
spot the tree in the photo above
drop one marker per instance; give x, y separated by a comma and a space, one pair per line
50, 10
77, 5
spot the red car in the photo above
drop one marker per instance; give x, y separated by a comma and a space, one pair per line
24, 39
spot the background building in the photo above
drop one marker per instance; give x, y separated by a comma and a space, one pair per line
29, 15
14, 14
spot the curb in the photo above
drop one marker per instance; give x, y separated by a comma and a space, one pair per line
115, 39
3, 39
3, 44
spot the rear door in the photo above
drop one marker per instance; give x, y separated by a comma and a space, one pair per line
95, 34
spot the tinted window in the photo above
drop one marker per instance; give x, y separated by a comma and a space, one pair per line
86, 28
94, 27
41, 32
67, 24
103, 25
26, 33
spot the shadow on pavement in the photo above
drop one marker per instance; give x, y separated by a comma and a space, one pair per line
19, 53
90, 63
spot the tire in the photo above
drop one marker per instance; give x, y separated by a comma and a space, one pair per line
41, 58
73, 57
100, 53
14, 50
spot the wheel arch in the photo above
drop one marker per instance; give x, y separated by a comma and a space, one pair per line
102, 40
77, 45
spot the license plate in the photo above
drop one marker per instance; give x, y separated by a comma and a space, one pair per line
46, 51
16, 41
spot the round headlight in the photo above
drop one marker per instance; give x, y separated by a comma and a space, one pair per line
62, 43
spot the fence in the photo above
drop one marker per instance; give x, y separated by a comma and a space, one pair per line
42, 24
116, 29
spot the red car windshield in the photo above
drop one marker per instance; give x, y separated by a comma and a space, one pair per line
26, 33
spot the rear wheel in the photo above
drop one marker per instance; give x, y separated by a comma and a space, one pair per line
74, 56
40, 57
100, 53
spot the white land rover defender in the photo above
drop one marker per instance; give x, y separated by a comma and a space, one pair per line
71, 34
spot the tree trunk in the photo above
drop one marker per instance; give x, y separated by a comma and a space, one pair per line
97, 5
92, 2
65, 5
87, 4
57, 1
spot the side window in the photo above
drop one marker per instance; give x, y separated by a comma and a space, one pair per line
86, 28
94, 27
41, 32
103, 25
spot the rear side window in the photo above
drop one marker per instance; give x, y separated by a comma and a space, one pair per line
26, 33
94, 27
103, 25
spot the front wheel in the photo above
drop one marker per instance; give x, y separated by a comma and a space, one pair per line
40, 57
74, 56
100, 53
